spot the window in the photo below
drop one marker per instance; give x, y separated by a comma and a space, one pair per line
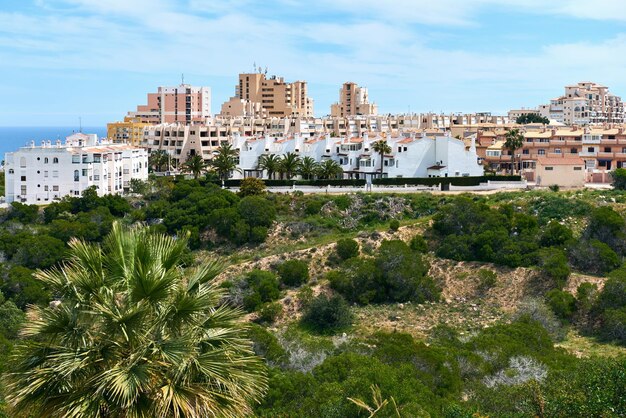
76, 175
525, 152
55, 188
557, 150
607, 149
55, 160
578, 168
549, 168
55, 174
23, 178
573, 151
590, 149
23, 190
11, 171
23, 162
541, 152
45, 160
45, 188
75, 159
84, 173
45, 173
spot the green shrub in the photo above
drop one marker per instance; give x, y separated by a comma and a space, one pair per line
554, 265
293, 273
619, 179
394, 225
251, 186
262, 287
347, 248
270, 312
586, 295
555, 235
594, 257
418, 243
266, 345
486, 279
562, 303
257, 211
327, 314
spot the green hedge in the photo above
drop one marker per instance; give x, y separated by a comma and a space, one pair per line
432, 181
289, 183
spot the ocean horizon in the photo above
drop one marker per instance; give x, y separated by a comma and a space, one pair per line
14, 137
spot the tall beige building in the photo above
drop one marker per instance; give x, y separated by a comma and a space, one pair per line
259, 96
353, 100
183, 104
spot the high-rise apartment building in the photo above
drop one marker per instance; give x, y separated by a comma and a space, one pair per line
353, 100
585, 103
130, 131
182, 104
259, 96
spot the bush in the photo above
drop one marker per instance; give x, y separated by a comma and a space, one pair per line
418, 243
270, 312
294, 273
260, 287
266, 345
347, 248
486, 279
394, 225
594, 257
555, 235
251, 186
327, 314
562, 303
257, 211
554, 265
619, 178
538, 311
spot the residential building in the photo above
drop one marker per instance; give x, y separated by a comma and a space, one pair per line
129, 132
353, 100
513, 114
601, 148
585, 103
179, 104
564, 171
260, 97
42, 174
411, 155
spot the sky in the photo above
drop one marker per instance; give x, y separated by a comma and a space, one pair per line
61, 60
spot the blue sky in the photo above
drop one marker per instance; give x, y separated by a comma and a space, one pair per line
97, 59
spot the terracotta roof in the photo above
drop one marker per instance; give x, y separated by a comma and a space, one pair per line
560, 161
405, 141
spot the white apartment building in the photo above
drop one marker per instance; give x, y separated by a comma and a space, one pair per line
585, 103
41, 174
411, 155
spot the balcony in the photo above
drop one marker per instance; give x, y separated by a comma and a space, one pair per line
605, 154
588, 153
620, 155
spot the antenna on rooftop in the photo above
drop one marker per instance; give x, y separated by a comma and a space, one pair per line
254, 65
80, 124
182, 78
266, 70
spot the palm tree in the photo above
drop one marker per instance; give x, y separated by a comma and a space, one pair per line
382, 148
225, 160
269, 163
514, 140
195, 165
329, 169
308, 167
136, 333
158, 159
289, 164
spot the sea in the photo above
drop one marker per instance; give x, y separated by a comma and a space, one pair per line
12, 138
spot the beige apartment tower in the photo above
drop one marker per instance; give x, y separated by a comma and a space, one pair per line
257, 95
353, 100
180, 104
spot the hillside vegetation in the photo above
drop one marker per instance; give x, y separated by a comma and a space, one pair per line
509, 304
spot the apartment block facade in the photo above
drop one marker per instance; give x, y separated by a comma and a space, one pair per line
130, 131
42, 174
585, 103
353, 100
256, 95
179, 104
